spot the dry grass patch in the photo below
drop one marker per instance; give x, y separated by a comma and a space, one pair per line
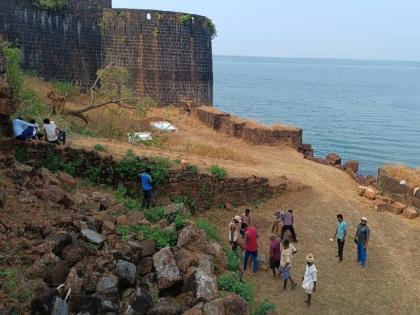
403, 172
219, 152
211, 110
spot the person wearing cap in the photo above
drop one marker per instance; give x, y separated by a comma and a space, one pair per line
310, 278
286, 263
275, 253
246, 220
288, 222
233, 232
251, 247
340, 235
362, 240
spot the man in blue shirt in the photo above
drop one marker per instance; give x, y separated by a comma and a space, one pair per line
147, 184
22, 130
340, 234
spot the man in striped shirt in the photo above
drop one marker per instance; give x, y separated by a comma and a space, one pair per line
288, 221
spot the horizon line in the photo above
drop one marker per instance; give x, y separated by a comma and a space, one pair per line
319, 58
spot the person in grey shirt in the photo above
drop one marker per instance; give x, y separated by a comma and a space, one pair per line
362, 240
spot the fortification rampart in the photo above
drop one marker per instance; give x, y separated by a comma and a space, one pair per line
168, 59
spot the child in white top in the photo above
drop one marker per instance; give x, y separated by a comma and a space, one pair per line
310, 278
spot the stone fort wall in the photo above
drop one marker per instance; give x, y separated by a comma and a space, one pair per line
168, 60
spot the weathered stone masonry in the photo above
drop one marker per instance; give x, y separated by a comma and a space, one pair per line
205, 189
167, 60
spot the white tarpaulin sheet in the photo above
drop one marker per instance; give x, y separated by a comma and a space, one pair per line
163, 126
136, 137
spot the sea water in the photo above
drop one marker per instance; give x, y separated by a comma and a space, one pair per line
363, 110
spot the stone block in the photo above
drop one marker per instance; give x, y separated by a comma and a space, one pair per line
410, 213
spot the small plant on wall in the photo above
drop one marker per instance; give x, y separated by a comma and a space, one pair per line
211, 28
185, 19
50, 4
155, 32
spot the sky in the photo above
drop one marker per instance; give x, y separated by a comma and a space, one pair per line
356, 29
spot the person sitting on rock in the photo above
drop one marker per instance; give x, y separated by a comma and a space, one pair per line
52, 133
288, 221
246, 220
37, 134
22, 130
234, 232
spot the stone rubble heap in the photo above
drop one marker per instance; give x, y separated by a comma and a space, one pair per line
78, 264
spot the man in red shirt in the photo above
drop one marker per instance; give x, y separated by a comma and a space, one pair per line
251, 247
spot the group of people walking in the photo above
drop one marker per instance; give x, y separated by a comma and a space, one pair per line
282, 250
29, 130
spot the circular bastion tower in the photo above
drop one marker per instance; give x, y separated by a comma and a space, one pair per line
168, 54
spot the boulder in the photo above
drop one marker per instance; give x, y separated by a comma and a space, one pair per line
215, 307
370, 193
61, 240
52, 193
44, 303
380, 205
79, 198
108, 306
167, 306
352, 165
235, 305
108, 227
89, 305
399, 207
60, 307
206, 264
57, 273
145, 266
194, 239
126, 272
196, 310
108, 287
185, 259
122, 220
66, 179
361, 190
140, 303
73, 254
333, 159
202, 285
217, 251
93, 236
167, 273
2, 199
75, 283
7, 311
147, 247
410, 213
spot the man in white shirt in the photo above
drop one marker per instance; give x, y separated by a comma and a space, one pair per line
52, 133
310, 278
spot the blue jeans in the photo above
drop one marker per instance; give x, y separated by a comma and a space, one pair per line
26, 134
361, 253
254, 260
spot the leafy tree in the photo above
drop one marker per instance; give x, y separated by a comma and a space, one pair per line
51, 4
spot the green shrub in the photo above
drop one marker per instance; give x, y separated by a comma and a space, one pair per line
233, 283
187, 201
154, 215
51, 161
193, 169
162, 237
233, 261
121, 196
129, 166
124, 231
264, 307
51, 4
92, 173
99, 147
21, 154
15, 74
211, 28
185, 19
66, 89
218, 172
208, 228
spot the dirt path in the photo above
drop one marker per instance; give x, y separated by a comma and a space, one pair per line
390, 282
